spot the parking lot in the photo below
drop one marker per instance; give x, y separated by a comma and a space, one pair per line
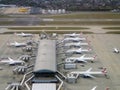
102, 45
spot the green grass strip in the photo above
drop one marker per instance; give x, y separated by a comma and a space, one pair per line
112, 28
113, 32
85, 15
81, 23
48, 28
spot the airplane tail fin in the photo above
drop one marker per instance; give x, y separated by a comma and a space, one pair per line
8, 44
15, 33
86, 38
107, 88
94, 57
81, 34
104, 71
88, 43
89, 49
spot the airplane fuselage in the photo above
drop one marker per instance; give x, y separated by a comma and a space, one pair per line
85, 73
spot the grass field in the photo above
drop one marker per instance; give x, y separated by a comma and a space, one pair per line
50, 31
48, 28
112, 28
81, 23
86, 15
113, 32
6, 22
4, 16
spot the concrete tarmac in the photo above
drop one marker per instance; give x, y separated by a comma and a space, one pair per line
102, 45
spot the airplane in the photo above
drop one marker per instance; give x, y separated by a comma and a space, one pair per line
24, 34
94, 88
89, 73
76, 39
72, 35
116, 50
77, 51
80, 59
78, 44
10, 61
16, 44
1, 68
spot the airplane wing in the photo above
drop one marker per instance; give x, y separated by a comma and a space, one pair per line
16, 43
94, 88
89, 70
10, 59
84, 61
89, 75
82, 56
80, 49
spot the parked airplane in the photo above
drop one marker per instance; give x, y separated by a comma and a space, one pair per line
72, 35
77, 51
90, 73
1, 68
16, 44
94, 88
24, 34
10, 61
76, 39
80, 59
78, 44
116, 50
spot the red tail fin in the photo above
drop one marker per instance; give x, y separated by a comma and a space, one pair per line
107, 88
15, 33
86, 38
88, 43
81, 33
89, 49
95, 56
104, 71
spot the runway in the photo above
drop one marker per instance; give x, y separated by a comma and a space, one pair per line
34, 20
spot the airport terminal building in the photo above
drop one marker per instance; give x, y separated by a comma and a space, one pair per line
45, 66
